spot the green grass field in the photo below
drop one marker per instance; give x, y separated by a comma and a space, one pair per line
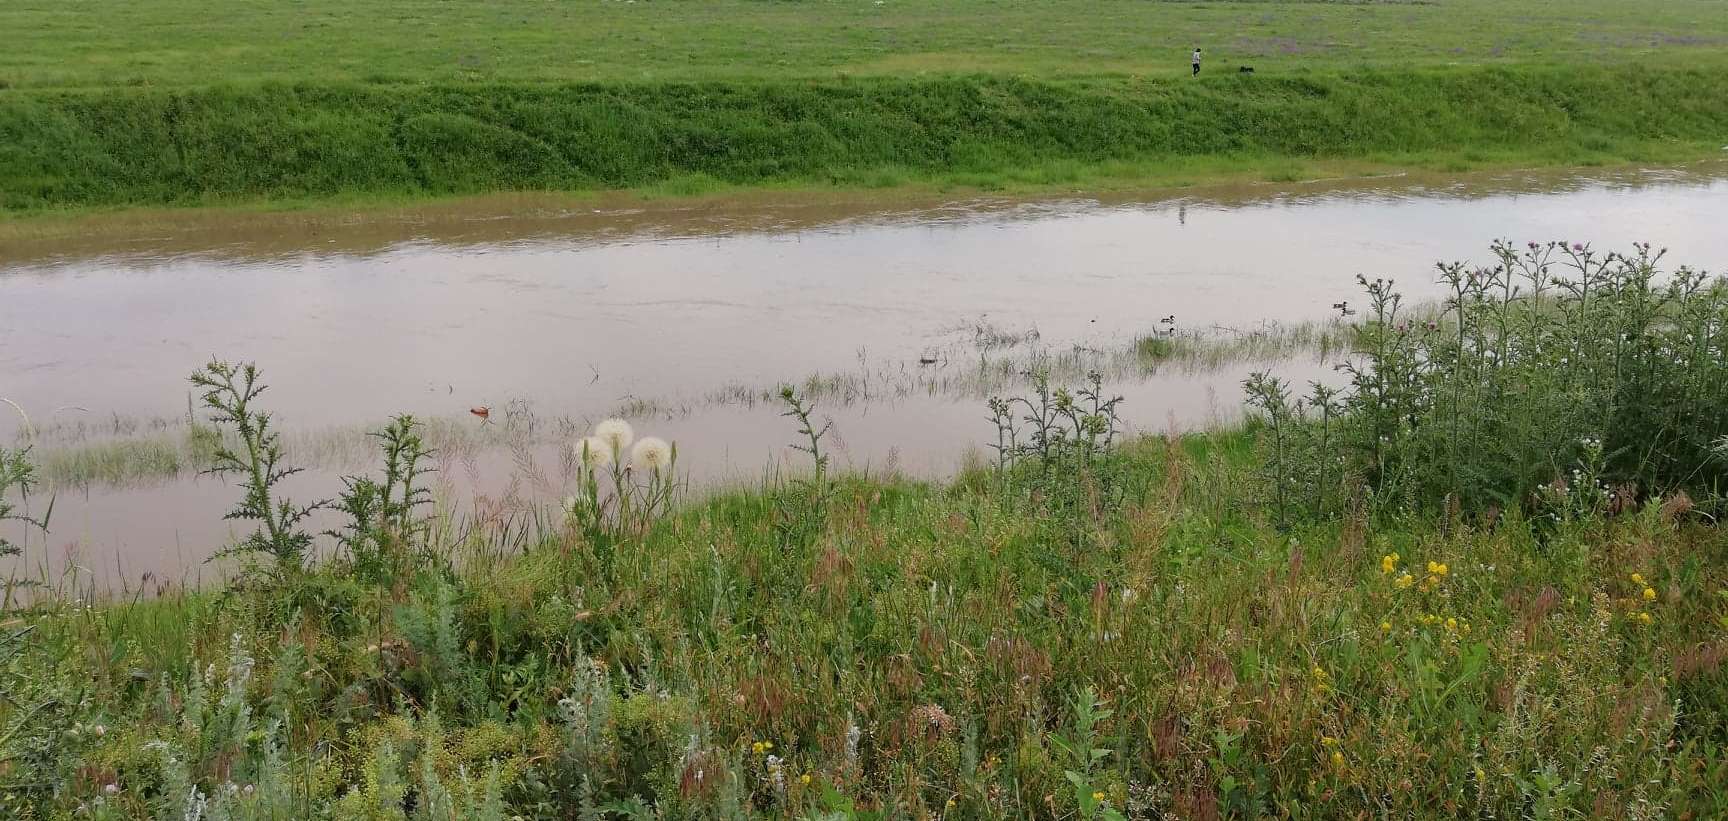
120, 104
118, 43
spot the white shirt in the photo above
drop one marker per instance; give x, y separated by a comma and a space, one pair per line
1196, 56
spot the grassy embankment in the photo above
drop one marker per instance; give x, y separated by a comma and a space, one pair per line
307, 142
343, 102
1485, 579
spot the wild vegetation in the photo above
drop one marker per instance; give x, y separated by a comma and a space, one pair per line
1483, 578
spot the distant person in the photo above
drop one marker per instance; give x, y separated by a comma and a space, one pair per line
1196, 62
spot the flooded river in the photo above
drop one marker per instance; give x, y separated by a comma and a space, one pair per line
563, 311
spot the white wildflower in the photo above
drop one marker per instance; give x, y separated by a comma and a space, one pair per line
616, 433
853, 735
652, 454
592, 452
777, 773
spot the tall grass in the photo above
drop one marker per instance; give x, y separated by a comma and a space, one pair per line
273, 141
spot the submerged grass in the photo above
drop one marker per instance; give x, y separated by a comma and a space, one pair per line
238, 144
985, 360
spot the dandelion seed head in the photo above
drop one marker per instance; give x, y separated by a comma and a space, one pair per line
616, 433
592, 452
652, 453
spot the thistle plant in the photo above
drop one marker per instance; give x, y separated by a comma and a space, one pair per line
384, 531
801, 506
229, 395
1052, 446
18, 477
1299, 465
1554, 357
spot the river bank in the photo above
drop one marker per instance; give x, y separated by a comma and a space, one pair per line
298, 145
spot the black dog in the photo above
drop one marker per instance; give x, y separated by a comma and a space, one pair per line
1246, 70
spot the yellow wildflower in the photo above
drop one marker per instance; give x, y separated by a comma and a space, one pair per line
804, 779
1649, 594
1451, 625
1097, 796
1644, 617
1404, 581
1337, 759
1637, 578
1437, 568
1388, 563
1385, 627
1328, 741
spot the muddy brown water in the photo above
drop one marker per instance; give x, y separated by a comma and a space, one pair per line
579, 307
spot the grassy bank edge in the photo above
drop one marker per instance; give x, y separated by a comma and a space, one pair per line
1154, 180
295, 148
